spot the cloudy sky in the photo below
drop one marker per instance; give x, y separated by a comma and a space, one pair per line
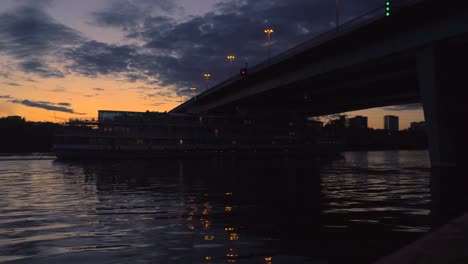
69, 58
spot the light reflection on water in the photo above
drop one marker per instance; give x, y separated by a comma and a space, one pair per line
279, 210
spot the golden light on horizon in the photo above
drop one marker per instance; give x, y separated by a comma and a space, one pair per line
82, 96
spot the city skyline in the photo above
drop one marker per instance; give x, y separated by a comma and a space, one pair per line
145, 55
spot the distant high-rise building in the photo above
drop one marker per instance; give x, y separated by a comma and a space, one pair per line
344, 122
417, 125
391, 123
358, 122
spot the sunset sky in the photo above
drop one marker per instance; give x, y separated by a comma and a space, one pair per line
69, 58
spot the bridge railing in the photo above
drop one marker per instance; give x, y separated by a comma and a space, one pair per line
342, 29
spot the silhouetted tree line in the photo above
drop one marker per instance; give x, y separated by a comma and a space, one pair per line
378, 139
21, 136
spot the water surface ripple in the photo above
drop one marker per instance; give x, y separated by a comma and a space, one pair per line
265, 210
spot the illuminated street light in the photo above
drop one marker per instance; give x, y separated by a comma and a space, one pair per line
207, 77
193, 92
268, 31
230, 58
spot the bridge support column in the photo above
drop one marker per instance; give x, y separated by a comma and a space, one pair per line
439, 83
442, 78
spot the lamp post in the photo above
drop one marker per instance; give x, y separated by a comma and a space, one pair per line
193, 92
230, 58
268, 31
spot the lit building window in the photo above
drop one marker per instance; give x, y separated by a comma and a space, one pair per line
233, 236
209, 237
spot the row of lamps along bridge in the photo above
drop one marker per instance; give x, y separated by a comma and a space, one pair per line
230, 58
268, 31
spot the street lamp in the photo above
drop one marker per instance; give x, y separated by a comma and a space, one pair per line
193, 92
268, 31
230, 58
207, 77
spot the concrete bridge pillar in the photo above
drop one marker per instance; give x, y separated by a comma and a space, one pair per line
439, 82
442, 81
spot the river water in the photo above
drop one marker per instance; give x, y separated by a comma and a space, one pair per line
233, 210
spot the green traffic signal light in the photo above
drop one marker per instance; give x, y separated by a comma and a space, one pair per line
387, 8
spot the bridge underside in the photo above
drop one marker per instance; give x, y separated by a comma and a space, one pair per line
391, 81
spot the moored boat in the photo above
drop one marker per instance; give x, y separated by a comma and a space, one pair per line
118, 134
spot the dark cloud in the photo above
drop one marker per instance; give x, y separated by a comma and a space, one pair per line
94, 58
37, 3
29, 31
29, 80
35, 39
98, 89
129, 15
142, 88
58, 89
161, 94
59, 107
178, 53
156, 104
407, 107
40, 68
131, 62
12, 84
4, 74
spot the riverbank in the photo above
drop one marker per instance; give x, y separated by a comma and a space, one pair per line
447, 245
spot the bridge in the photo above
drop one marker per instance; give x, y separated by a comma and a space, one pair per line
417, 54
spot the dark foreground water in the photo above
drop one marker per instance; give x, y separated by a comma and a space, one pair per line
255, 210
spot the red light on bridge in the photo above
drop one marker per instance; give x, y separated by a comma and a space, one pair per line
243, 71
